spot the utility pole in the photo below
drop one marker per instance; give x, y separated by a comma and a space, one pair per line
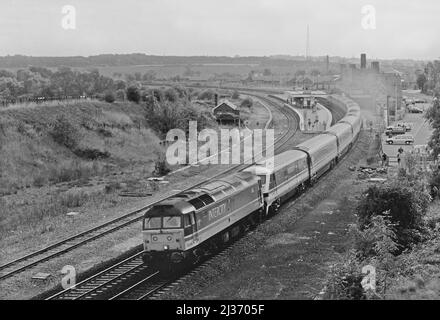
308, 44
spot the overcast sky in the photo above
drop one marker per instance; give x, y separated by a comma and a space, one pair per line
404, 28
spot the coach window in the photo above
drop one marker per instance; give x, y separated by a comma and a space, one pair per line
272, 183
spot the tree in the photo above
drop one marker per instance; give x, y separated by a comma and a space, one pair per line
235, 95
149, 75
433, 116
247, 103
421, 80
267, 72
120, 94
207, 95
171, 95
133, 94
315, 72
109, 97
300, 73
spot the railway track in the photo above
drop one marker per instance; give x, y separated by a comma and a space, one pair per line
130, 279
62, 247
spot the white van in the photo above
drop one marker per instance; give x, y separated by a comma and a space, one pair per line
401, 139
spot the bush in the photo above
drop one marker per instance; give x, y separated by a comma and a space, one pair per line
109, 97
247, 103
166, 116
112, 187
161, 166
120, 94
345, 282
378, 239
91, 154
434, 184
64, 133
404, 204
171, 95
74, 199
207, 95
133, 94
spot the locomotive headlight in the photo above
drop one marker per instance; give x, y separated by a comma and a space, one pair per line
165, 247
169, 238
154, 238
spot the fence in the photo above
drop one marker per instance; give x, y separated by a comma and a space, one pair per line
38, 100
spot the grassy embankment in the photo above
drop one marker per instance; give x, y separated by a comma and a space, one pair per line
54, 158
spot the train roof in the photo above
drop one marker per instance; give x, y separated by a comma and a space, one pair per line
350, 119
197, 198
279, 161
316, 142
338, 127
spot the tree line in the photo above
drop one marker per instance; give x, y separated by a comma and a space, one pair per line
428, 80
34, 82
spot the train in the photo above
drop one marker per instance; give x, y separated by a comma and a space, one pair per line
182, 229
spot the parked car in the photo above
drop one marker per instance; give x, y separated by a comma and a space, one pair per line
408, 126
414, 109
400, 139
392, 130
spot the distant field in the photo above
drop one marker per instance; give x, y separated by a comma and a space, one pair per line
165, 71
204, 71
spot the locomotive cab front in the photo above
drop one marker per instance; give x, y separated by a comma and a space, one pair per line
162, 237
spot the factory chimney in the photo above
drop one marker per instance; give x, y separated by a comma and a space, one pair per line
363, 61
375, 66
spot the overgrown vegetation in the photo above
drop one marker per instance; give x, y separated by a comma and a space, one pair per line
65, 133
433, 116
165, 111
402, 203
394, 220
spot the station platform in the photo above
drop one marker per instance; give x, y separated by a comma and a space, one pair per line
311, 120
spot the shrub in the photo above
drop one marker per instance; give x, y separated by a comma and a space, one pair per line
171, 95
345, 282
406, 205
133, 94
120, 94
434, 184
112, 186
161, 166
207, 95
105, 133
39, 181
74, 199
166, 116
247, 103
91, 154
109, 97
378, 239
64, 133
